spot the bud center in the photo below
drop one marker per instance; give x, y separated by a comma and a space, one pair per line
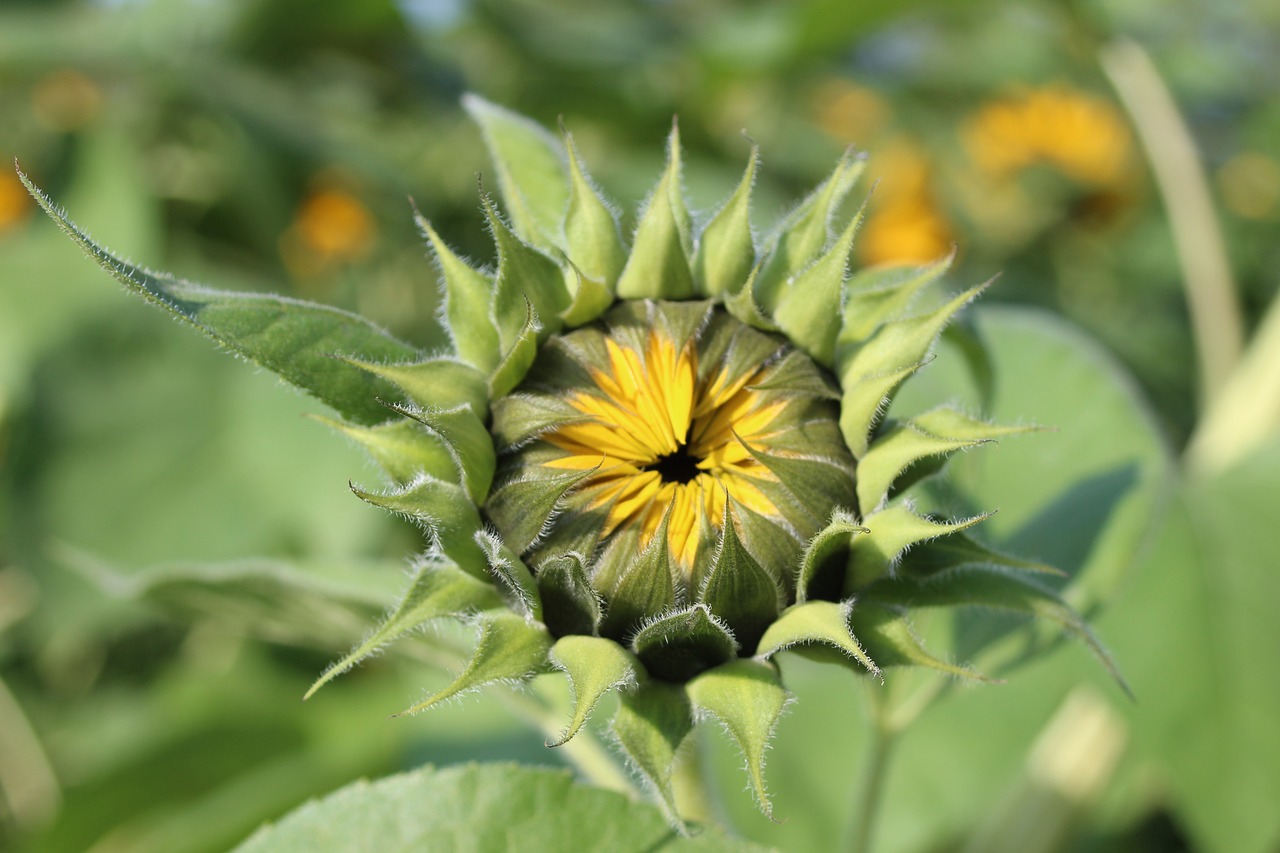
679, 467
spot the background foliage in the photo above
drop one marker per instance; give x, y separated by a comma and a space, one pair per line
271, 144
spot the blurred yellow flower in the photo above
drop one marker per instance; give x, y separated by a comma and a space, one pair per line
332, 226
848, 112
14, 201
1250, 185
1079, 134
905, 224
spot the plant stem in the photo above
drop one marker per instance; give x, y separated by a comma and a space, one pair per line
1211, 296
874, 771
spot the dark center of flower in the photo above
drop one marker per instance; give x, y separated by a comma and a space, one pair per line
678, 467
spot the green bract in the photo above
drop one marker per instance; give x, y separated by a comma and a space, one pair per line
653, 464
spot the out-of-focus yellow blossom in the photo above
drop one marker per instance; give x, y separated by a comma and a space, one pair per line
848, 112
1079, 134
1250, 185
14, 202
332, 227
66, 100
905, 224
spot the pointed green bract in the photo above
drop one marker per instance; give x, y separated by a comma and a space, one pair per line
524, 273
509, 649
592, 240
957, 550
825, 560
512, 575
468, 304
438, 589
678, 645
809, 303
892, 531
796, 375
464, 436
588, 297
980, 586
518, 418
651, 723
824, 623
659, 264
726, 249
521, 506
441, 382
889, 639
802, 236
444, 510
569, 604
747, 697
742, 306
401, 448
518, 358
865, 402
881, 294
595, 667
531, 173
645, 588
738, 590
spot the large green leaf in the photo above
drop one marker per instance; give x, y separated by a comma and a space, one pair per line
295, 339
479, 807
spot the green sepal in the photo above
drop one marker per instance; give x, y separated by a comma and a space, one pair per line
524, 274
520, 417
809, 304
803, 234
438, 589
645, 587
509, 649
521, 506
651, 723
569, 603
795, 374
956, 550
742, 306
512, 575
465, 438
826, 558
468, 300
996, 589
890, 640
530, 166
815, 482
726, 249
748, 698
594, 667
441, 382
820, 623
737, 590
519, 356
878, 295
895, 351
402, 448
678, 645
444, 510
588, 297
658, 267
289, 337
592, 239
891, 531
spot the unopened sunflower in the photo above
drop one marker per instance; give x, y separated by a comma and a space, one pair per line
652, 463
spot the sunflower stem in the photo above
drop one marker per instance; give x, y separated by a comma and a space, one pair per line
861, 830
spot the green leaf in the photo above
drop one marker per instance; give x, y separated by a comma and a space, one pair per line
438, 589
659, 264
441, 382
594, 667
402, 448
468, 300
531, 173
826, 559
891, 531
480, 807
889, 639
292, 338
651, 723
992, 588
803, 234
512, 574
521, 506
592, 240
747, 697
824, 623
726, 249
809, 304
444, 510
569, 604
509, 649
678, 645
465, 438
737, 590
